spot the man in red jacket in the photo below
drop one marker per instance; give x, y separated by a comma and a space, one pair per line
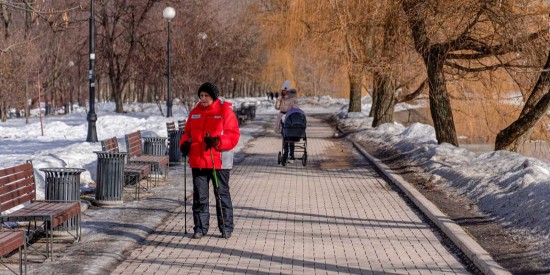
210, 131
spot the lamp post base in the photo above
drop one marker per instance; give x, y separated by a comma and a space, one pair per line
92, 133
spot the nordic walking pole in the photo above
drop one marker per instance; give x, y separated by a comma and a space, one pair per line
185, 191
217, 186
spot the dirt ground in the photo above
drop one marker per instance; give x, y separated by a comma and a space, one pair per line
511, 250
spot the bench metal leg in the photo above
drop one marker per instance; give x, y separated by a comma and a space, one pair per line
49, 235
23, 257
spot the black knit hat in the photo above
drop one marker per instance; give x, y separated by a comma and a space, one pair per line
209, 88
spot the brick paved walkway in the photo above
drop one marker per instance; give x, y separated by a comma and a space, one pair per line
336, 215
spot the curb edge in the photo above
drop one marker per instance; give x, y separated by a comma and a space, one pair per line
479, 256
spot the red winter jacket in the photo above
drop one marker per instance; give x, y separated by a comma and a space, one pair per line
218, 119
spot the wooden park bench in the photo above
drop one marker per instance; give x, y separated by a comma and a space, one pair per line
133, 172
181, 124
18, 187
240, 114
11, 240
134, 147
170, 126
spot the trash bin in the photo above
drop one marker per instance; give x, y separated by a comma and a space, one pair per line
155, 146
63, 184
109, 178
245, 110
174, 153
252, 111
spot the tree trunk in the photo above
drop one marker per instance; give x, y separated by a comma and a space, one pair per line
384, 105
116, 95
355, 84
513, 136
440, 105
3, 112
6, 18
434, 58
374, 96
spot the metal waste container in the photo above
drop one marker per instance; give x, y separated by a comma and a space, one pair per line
251, 111
109, 178
174, 153
245, 110
63, 184
155, 146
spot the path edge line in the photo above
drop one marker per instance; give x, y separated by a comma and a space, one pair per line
477, 254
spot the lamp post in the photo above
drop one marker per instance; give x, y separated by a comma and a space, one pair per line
168, 13
71, 65
92, 117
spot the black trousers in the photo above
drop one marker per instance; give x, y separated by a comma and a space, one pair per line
287, 146
201, 213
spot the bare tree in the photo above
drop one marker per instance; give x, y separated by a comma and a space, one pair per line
217, 46
467, 36
517, 133
26, 26
122, 29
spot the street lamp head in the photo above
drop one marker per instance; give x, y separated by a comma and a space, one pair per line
168, 13
71, 63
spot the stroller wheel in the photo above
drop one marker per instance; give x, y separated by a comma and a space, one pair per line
279, 158
304, 159
283, 160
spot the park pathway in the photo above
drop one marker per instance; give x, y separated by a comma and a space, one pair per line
335, 215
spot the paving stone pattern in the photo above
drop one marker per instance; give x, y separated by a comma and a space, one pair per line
317, 219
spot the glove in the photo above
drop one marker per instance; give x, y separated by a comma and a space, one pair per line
185, 147
211, 142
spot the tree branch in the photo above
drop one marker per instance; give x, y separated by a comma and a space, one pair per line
482, 50
484, 68
414, 94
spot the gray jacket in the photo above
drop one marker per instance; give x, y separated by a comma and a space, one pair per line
227, 159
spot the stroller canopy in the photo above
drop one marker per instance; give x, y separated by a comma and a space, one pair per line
295, 124
295, 117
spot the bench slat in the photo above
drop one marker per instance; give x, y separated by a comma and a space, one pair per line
56, 211
15, 176
161, 160
14, 186
171, 126
12, 199
134, 145
133, 168
15, 169
10, 241
110, 145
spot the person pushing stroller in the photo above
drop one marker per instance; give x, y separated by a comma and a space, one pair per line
285, 102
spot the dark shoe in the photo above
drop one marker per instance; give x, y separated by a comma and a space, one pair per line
198, 235
226, 235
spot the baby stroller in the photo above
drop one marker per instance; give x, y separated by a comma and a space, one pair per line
294, 132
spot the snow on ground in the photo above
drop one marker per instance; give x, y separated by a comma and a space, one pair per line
511, 188
63, 143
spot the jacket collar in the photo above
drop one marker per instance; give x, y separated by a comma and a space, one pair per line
214, 104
